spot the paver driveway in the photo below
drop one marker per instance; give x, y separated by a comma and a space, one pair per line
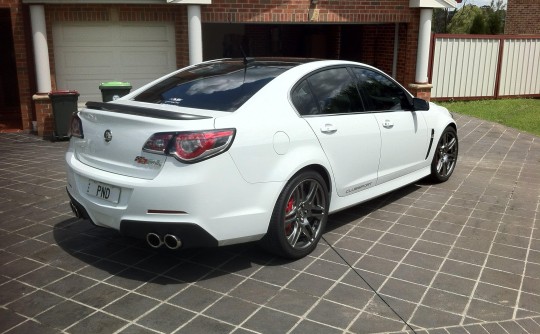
458, 257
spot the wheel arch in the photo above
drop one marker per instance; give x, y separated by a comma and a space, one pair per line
276, 239
453, 125
435, 173
322, 171
438, 130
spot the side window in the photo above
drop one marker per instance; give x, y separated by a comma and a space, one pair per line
335, 91
303, 100
380, 92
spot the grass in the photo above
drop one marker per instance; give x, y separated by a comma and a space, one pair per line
521, 114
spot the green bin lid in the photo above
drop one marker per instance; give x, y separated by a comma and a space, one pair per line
115, 84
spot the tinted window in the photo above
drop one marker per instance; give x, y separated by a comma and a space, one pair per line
302, 99
380, 92
335, 91
223, 86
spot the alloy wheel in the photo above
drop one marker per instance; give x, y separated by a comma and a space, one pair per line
304, 211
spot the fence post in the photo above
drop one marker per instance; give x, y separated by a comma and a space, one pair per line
499, 69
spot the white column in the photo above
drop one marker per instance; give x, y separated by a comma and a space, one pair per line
194, 34
424, 40
41, 49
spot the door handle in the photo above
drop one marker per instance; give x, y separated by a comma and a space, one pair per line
387, 124
328, 129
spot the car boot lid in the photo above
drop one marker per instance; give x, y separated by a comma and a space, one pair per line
114, 136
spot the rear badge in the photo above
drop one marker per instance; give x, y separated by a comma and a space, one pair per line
107, 135
149, 162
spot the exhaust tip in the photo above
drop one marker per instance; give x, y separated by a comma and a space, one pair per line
154, 240
171, 241
76, 211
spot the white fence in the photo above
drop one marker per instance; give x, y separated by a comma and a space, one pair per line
471, 67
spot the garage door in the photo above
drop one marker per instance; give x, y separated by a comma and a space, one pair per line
87, 54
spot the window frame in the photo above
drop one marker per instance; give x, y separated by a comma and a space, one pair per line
367, 99
314, 97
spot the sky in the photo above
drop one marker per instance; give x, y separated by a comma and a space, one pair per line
478, 3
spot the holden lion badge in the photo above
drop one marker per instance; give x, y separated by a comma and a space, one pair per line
107, 135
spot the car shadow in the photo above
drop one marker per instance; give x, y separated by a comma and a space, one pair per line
104, 252
359, 211
107, 252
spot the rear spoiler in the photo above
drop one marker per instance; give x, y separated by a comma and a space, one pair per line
142, 111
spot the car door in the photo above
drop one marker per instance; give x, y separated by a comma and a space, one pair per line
329, 102
404, 133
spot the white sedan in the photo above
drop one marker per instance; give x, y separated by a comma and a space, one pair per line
238, 150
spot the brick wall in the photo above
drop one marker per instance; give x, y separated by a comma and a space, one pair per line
23, 62
408, 45
44, 116
522, 17
376, 44
296, 11
373, 34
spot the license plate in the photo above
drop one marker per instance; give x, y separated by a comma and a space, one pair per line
103, 190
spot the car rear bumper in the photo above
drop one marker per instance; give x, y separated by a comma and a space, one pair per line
190, 235
211, 204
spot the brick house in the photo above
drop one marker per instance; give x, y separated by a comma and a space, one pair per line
522, 17
77, 44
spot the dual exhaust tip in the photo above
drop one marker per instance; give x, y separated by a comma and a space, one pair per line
171, 241
75, 210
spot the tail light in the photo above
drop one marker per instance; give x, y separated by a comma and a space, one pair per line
191, 147
158, 143
75, 126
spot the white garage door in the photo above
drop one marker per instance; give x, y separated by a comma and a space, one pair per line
87, 54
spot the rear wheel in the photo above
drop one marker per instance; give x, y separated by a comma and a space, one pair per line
445, 158
299, 217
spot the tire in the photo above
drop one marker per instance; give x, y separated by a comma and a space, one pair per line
445, 157
299, 217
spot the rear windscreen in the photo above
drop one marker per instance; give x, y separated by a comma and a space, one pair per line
222, 86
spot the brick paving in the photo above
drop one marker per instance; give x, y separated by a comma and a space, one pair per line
457, 257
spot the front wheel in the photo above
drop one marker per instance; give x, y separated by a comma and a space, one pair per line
299, 217
445, 157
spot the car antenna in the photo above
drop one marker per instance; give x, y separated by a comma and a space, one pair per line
246, 59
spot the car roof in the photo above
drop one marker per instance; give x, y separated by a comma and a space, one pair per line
268, 61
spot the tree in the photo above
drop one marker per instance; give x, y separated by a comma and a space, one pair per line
478, 25
441, 18
495, 17
463, 19
471, 19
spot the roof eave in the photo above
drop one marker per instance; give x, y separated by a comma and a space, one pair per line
432, 4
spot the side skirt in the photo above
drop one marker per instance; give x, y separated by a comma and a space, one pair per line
341, 203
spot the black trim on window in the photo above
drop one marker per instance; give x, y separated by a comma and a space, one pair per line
366, 98
362, 107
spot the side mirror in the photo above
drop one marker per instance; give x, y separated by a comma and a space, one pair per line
419, 104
